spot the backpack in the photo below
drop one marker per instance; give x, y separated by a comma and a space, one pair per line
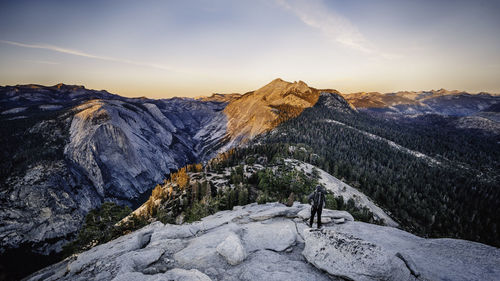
318, 199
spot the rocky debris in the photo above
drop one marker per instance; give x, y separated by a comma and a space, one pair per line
230, 245
360, 251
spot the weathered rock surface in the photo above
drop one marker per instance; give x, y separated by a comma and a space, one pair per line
276, 235
361, 251
177, 274
232, 249
230, 245
326, 215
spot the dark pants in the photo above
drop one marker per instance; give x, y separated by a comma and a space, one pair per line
315, 211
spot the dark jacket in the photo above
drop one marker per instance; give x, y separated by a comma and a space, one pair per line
317, 198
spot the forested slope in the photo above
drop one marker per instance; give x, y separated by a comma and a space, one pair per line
455, 194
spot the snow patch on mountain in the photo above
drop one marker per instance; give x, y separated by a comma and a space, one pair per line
50, 107
14, 110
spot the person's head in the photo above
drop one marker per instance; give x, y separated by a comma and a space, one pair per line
318, 187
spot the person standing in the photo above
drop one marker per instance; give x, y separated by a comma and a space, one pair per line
317, 201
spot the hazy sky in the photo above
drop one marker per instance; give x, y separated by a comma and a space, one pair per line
162, 48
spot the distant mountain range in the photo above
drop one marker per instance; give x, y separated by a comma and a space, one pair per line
67, 149
443, 102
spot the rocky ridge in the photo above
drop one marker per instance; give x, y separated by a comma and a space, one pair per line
220, 181
88, 147
261, 110
443, 102
273, 242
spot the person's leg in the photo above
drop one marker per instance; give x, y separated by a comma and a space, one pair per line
311, 219
319, 217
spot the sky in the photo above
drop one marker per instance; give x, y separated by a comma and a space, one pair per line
163, 48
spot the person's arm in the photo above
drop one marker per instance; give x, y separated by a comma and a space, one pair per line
310, 198
324, 198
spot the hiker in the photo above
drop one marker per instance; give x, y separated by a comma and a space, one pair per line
317, 201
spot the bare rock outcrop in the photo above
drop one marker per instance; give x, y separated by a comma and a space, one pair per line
230, 245
360, 251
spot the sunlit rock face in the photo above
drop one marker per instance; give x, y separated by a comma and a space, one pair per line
261, 110
69, 149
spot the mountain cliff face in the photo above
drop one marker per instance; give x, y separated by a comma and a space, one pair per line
273, 242
67, 149
261, 110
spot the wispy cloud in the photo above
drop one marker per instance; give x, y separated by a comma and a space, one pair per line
86, 55
333, 25
43, 62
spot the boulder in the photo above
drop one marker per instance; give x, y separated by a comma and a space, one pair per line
201, 251
339, 220
351, 258
184, 275
232, 249
326, 216
271, 266
176, 274
280, 211
275, 235
362, 251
